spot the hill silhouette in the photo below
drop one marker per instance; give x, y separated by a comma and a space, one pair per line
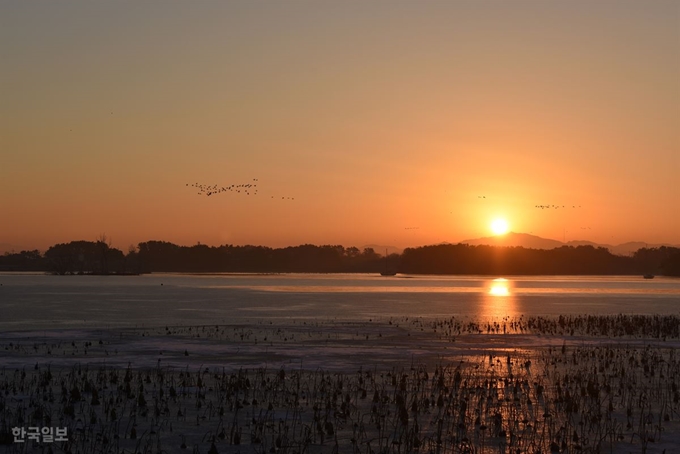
512, 239
525, 240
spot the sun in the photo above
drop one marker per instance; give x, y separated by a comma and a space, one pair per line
499, 226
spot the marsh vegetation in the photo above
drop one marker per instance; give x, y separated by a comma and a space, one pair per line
521, 385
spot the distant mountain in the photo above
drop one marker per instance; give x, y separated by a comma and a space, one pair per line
535, 242
632, 246
586, 243
516, 239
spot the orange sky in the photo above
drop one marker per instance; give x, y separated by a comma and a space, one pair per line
386, 121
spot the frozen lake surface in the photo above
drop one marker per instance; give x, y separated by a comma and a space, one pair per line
30, 302
360, 347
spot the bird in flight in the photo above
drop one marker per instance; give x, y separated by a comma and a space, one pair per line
247, 189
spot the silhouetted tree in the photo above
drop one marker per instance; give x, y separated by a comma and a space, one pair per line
23, 261
104, 244
86, 257
81, 257
671, 264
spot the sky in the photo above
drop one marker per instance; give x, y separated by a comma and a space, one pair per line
390, 122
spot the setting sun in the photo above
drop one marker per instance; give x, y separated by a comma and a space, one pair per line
499, 226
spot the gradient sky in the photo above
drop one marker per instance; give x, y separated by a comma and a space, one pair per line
375, 116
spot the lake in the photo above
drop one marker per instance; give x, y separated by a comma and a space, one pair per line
38, 301
353, 332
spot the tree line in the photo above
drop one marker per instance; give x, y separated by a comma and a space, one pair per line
98, 257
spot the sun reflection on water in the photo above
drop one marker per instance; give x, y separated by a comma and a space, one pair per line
499, 288
499, 300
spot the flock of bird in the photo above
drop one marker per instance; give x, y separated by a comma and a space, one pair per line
251, 189
547, 207
244, 188
208, 190
543, 207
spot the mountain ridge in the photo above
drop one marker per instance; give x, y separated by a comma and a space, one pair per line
526, 240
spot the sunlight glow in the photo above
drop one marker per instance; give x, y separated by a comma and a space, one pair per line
499, 300
499, 287
499, 226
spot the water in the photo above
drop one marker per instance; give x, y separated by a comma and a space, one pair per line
36, 301
339, 324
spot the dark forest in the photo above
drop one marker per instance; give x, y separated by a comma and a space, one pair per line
99, 258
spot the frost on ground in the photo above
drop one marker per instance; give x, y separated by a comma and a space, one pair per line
571, 385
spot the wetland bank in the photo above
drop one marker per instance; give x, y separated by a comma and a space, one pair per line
341, 364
